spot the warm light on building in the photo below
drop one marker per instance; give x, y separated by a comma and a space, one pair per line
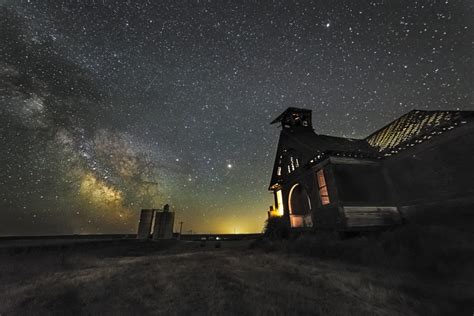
279, 207
323, 188
278, 210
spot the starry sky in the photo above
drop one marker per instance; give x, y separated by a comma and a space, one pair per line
107, 107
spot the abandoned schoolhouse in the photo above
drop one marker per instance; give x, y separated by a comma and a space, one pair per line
421, 161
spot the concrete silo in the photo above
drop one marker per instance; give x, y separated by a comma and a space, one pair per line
164, 223
144, 226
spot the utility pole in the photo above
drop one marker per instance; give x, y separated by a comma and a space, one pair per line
180, 229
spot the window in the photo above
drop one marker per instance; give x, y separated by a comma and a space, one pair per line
323, 188
279, 203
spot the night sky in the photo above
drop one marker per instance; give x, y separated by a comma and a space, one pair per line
107, 106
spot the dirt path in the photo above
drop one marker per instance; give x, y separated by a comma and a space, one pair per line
216, 282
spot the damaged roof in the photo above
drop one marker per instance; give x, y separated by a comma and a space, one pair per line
405, 132
415, 127
308, 147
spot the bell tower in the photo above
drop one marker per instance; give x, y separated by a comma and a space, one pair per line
295, 118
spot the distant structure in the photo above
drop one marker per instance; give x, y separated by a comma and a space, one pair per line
163, 223
419, 161
144, 226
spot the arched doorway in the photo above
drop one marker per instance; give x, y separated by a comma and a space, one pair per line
300, 206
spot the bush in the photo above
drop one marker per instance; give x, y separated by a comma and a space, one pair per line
276, 228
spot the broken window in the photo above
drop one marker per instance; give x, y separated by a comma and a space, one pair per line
323, 188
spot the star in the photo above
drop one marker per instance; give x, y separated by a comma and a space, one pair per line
143, 104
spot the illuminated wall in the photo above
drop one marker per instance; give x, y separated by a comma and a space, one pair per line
280, 208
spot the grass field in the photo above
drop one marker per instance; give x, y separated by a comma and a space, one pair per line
170, 278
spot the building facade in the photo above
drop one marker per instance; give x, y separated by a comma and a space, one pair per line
418, 162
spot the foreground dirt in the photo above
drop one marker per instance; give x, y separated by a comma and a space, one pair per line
193, 280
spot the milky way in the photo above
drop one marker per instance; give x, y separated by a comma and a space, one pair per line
111, 106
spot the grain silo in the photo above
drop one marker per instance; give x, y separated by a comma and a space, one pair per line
144, 226
164, 223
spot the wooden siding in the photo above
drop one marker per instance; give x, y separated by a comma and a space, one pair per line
369, 216
436, 171
361, 183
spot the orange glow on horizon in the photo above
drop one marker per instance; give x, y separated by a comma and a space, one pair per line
225, 225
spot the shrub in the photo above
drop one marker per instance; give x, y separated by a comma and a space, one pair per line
276, 228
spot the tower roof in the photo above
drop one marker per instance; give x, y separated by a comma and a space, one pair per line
292, 117
409, 130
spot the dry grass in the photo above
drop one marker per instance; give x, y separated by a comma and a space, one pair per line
184, 278
432, 263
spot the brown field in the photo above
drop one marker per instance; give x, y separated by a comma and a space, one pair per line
184, 278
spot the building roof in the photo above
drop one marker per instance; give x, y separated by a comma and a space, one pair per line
309, 147
405, 132
311, 143
290, 112
415, 127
